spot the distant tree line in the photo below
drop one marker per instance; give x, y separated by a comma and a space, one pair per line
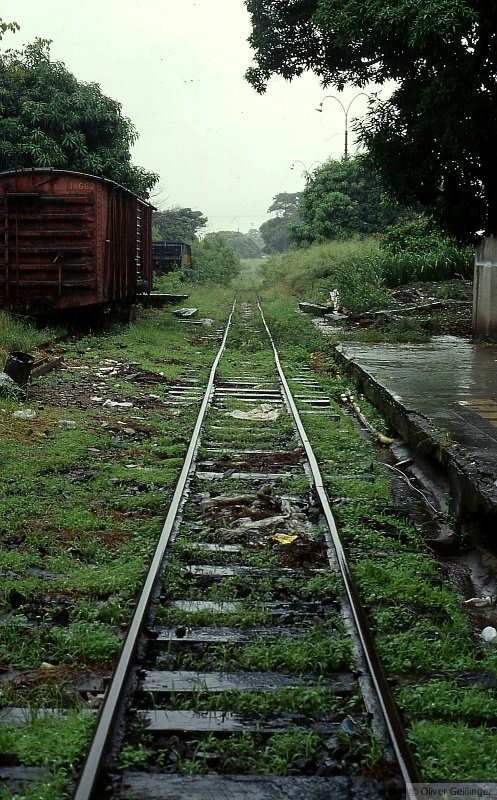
244, 245
178, 224
341, 198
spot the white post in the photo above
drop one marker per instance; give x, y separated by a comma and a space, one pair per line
485, 289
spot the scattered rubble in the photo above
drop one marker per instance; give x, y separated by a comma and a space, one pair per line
24, 413
185, 313
266, 517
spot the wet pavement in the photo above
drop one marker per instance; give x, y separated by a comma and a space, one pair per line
442, 397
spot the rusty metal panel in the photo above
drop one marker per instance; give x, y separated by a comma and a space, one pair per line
69, 240
48, 228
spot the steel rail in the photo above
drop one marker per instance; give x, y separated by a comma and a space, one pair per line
109, 713
395, 729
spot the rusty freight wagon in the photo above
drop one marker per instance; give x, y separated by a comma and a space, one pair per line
168, 256
70, 241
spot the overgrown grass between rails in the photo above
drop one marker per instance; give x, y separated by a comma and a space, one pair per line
180, 583
281, 753
188, 551
262, 704
420, 627
322, 650
248, 616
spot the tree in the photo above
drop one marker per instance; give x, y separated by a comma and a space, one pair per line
50, 119
241, 244
212, 262
343, 198
285, 204
275, 235
7, 26
433, 140
178, 224
256, 236
275, 231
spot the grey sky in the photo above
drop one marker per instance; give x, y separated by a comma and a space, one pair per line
177, 68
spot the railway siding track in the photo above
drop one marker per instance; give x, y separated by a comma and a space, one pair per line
251, 680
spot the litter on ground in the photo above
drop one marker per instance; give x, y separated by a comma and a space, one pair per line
262, 413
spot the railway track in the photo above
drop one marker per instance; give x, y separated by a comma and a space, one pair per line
249, 670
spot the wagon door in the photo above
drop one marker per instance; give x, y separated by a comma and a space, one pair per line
48, 257
128, 253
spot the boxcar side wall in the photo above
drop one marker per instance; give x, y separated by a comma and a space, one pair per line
48, 228
69, 240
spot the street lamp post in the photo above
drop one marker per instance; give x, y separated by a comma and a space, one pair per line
345, 110
306, 172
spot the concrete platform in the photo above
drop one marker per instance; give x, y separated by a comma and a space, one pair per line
442, 398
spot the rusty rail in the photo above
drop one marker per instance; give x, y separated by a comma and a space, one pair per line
112, 711
112, 707
392, 720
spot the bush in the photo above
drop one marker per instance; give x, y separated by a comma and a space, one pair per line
16, 334
349, 266
362, 269
212, 262
419, 251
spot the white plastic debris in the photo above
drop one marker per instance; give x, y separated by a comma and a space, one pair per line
25, 413
335, 299
479, 602
262, 413
489, 634
105, 374
116, 404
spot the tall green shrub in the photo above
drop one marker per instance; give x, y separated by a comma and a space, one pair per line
212, 262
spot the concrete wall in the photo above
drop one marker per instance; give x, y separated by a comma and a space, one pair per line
485, 289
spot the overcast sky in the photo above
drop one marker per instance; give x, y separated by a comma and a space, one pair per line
177, 68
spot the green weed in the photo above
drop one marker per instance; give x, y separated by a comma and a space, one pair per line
454, 752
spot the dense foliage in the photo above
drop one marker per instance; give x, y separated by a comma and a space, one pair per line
243, 245
363, 270
178, 224
433, 140
275, 235
50, 119
213, 261
418, 250
343, 198
275, 232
